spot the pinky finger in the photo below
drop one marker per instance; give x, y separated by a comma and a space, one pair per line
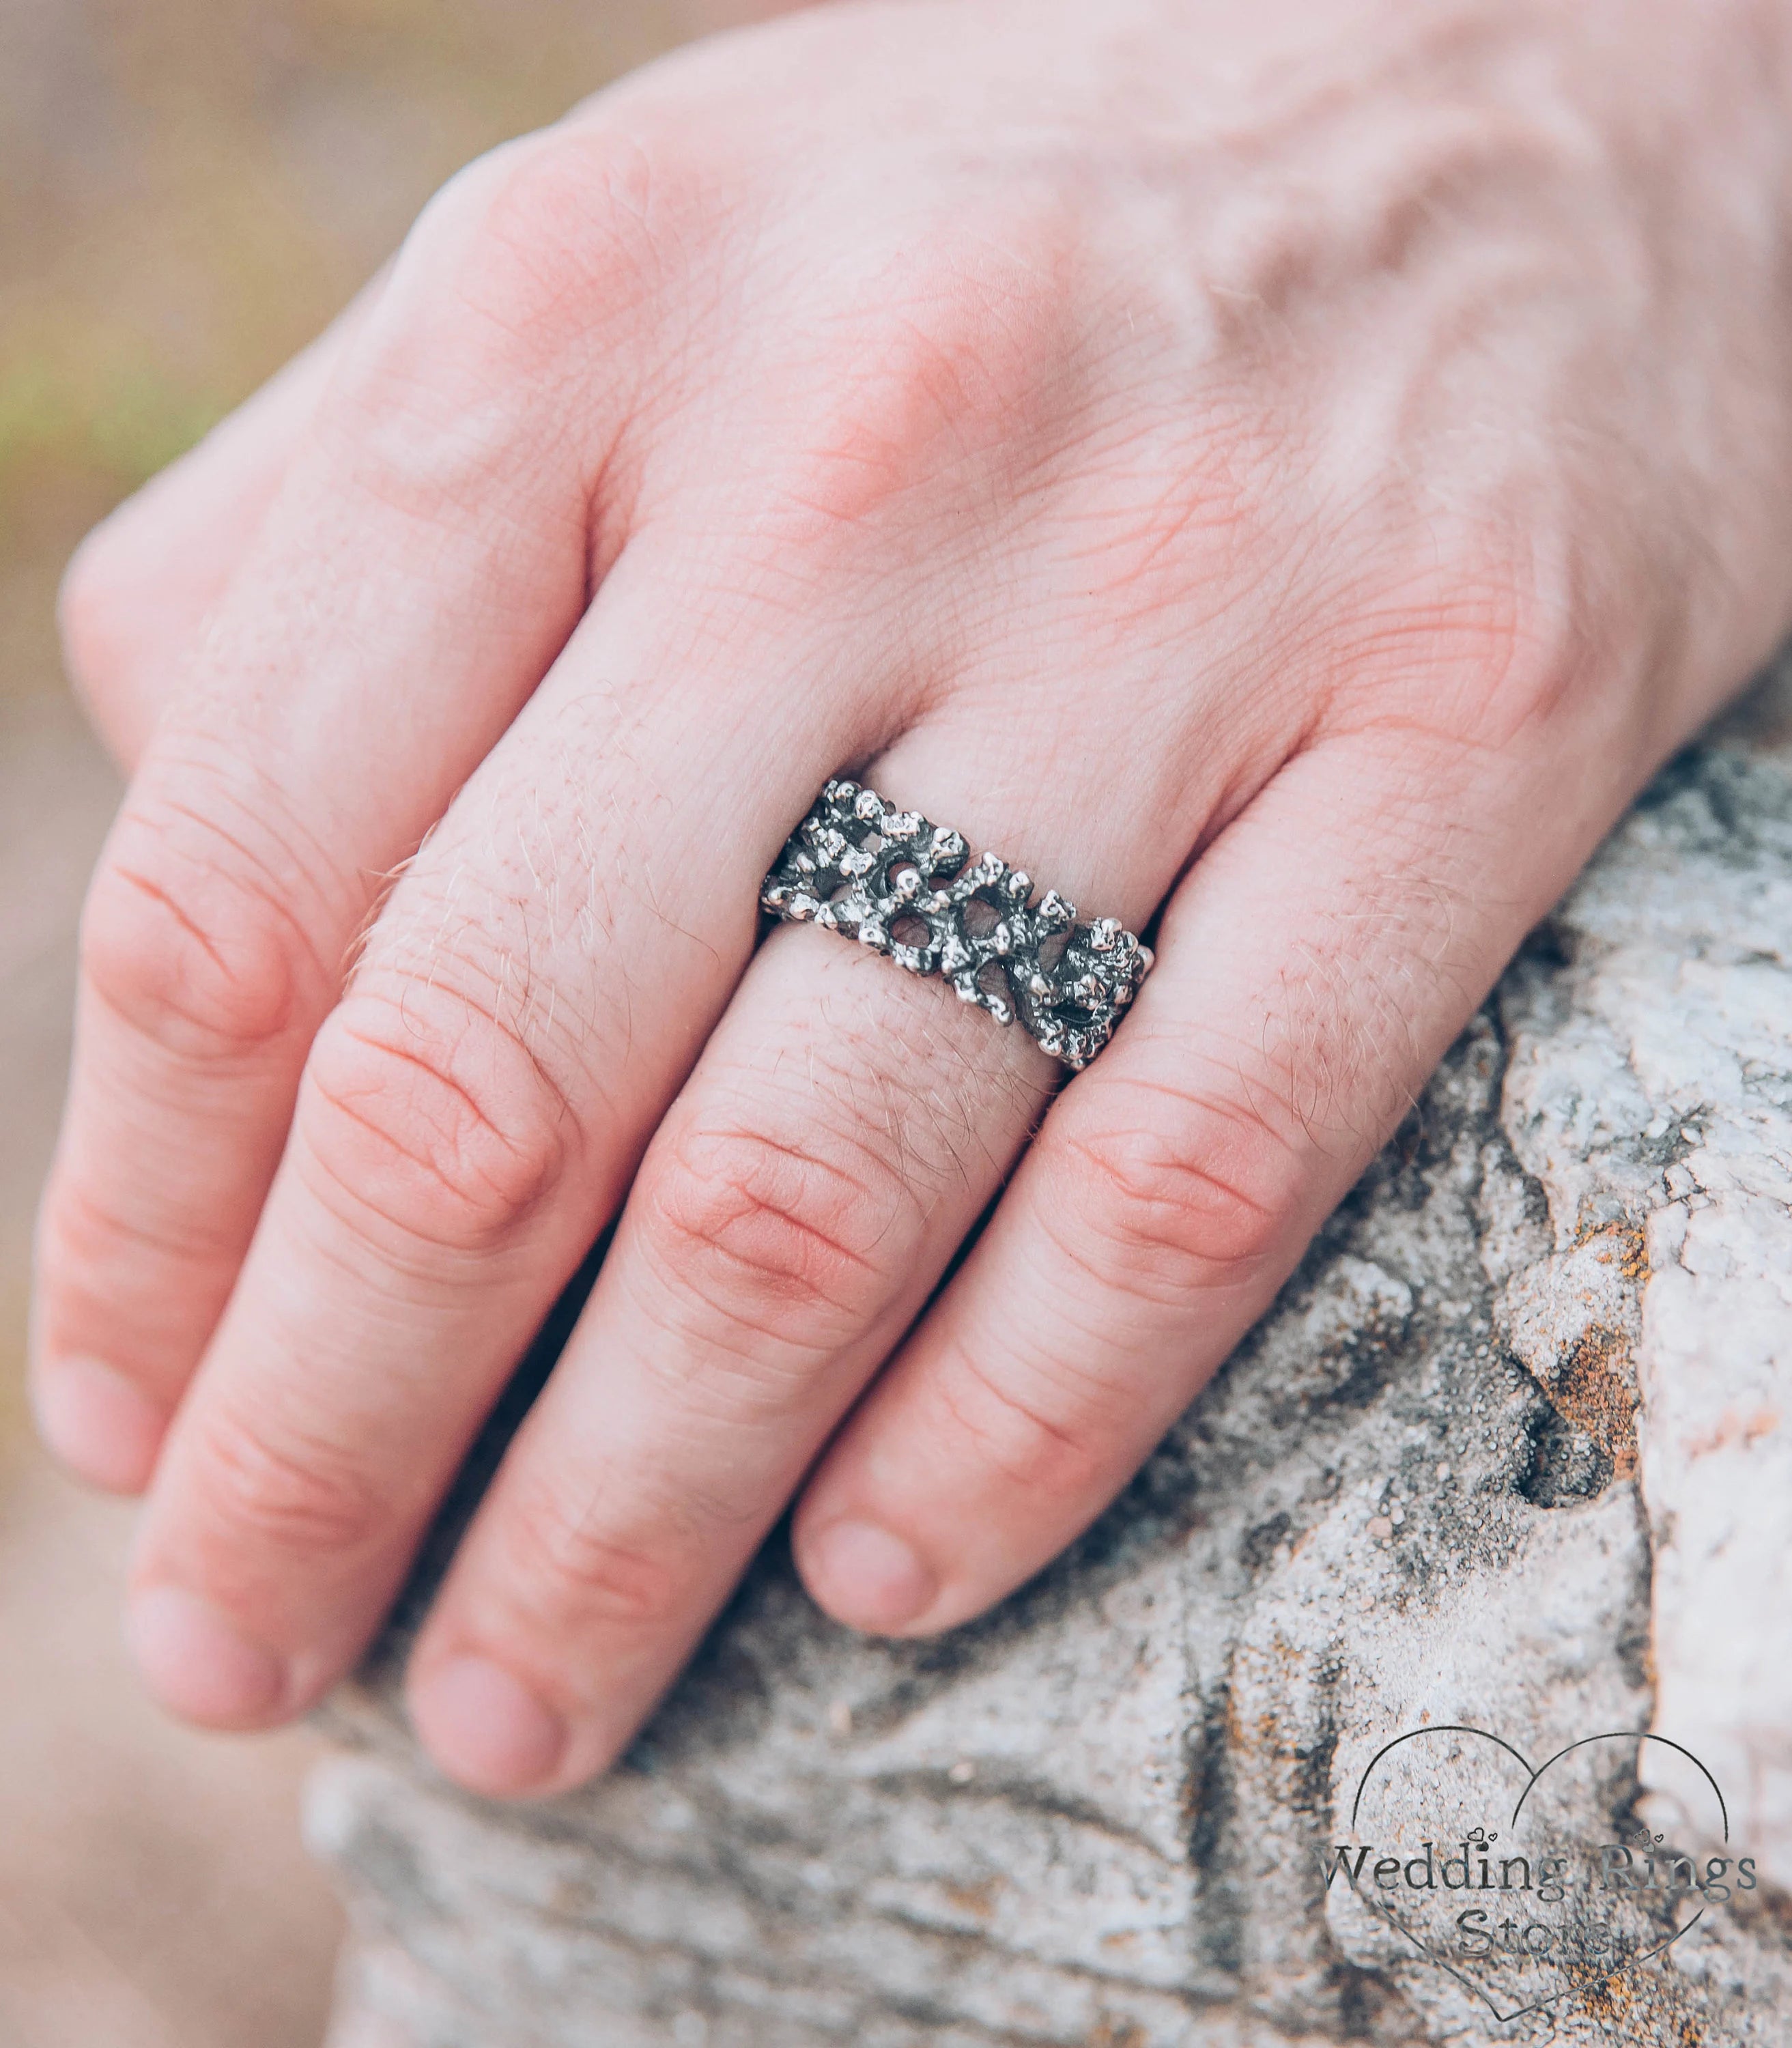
1175, 1184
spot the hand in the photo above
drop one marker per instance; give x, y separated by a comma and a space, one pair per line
1291, 471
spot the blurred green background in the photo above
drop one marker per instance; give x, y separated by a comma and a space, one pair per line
188, 188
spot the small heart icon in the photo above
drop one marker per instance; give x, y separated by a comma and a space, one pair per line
1529, 1884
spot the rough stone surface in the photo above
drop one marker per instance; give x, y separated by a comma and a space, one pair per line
1511, 1451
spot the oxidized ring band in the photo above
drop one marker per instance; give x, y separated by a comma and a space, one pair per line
905, 887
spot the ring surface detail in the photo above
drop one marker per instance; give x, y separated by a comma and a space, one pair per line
902, 886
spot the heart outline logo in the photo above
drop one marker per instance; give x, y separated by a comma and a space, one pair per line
1534, 1774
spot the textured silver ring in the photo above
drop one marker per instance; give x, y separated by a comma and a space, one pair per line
903, 886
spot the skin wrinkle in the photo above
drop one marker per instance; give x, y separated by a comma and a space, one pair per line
1068, 1453
453, 974
263, 982
1137, 1241
632, 1586
403, 1262
1090, 1390
750, 1205
737, 1416
400, 1216
109, 1222
292, 1486
129, 984
739, 1343
685, 1520
712, 1184
399, 1278
402, 1272
158, 894
724, 1450
273, 875
439, 1074
410, 940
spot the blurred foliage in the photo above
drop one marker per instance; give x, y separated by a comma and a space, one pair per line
119, 422
189, 188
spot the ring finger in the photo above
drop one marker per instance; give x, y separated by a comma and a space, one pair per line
845, 1128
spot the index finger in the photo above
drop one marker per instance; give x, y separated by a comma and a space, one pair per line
425, 558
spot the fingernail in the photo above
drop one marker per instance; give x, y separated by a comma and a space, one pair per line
485, 1728
102, 1426
866, 1577
198, 1664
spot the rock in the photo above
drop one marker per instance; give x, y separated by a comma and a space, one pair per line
1511, 1458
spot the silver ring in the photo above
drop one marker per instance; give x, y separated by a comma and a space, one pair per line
906, 887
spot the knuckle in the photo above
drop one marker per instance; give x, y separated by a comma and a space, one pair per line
191, 937
1170, 1205
522, 284
94, 1248
571, 1568
1469, 646
431, 1115
561, 192
539, 240
790, 1235
1042, 1440
266, 1484
940, 373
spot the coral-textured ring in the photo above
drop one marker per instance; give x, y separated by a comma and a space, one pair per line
905, 887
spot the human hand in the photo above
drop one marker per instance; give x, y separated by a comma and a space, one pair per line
1296, 468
